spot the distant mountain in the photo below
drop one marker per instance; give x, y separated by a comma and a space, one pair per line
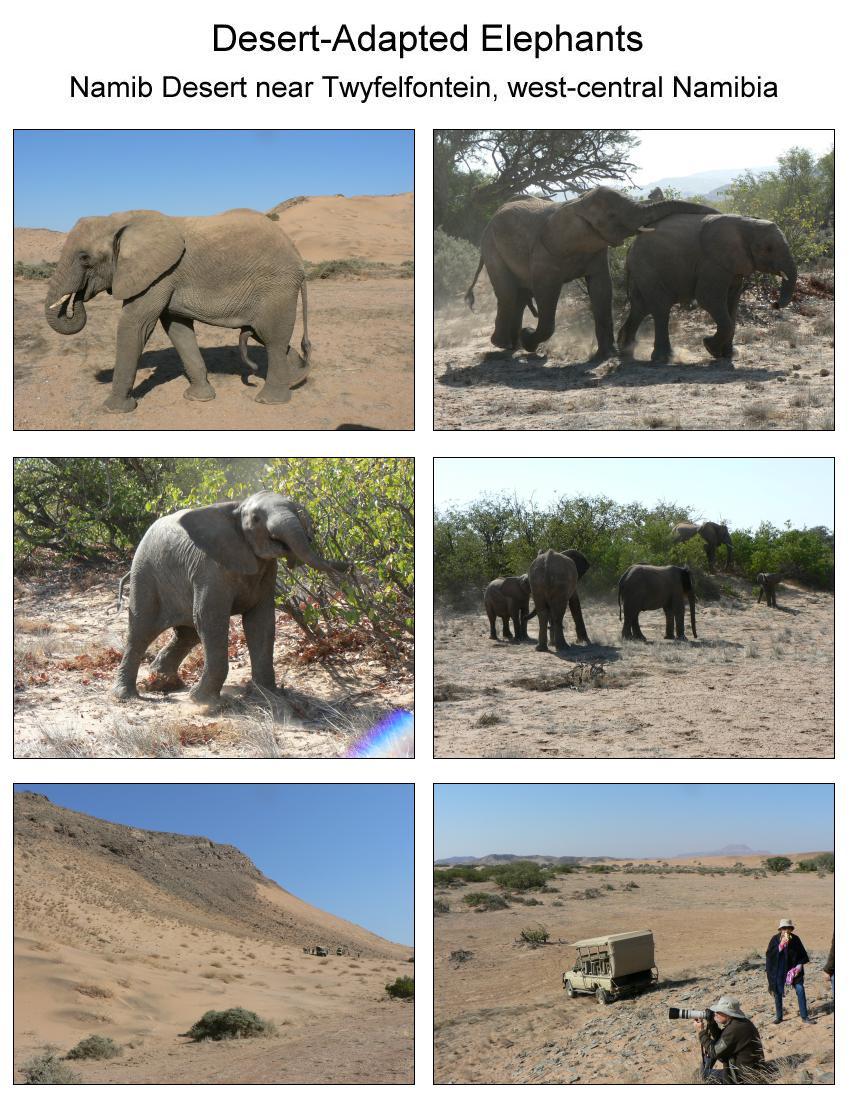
712, 184
493, 858
729, 850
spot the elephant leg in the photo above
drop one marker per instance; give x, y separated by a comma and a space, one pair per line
635, 631
144, 625
492, 620
668, 621
510, 304
166, 664
543, 623
627, 336
715, 300
274, 329
662, 350
578, 618
259, 634
711, 554
506, 629
601, 292
679, 614
133, 333
546, 294
558, 639
181, 333
213, 626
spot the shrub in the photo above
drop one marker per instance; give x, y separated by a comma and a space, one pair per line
446, 876
231, 1023
536, 935
94, 1046
823, 863
401, 987
455, 261
521, 875
440, 907
777, 864
47, 1068
485, 901
34, 271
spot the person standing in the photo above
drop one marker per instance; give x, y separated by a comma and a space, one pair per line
785, 958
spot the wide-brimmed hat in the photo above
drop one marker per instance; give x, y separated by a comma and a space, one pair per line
786, 922
730, 1007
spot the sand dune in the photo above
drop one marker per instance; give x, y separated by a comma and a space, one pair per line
118, 932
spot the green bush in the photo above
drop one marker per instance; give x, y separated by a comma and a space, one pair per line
455, 261
440, 907
34, 271
777, 864
231, 1023
94, 1046
48, 1068
536, 935
822, 864
521, 875
401, 987
480, 900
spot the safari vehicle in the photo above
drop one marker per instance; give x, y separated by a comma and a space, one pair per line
612, 966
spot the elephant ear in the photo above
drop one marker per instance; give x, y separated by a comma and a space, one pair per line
217, 532
581, 562
723, 240
144, 248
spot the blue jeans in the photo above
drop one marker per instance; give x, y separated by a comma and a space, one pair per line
800, 990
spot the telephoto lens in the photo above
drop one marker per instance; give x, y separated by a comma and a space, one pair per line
689, 1014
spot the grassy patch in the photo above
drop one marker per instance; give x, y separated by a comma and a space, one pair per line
48, 1068
95, 1047
401, 987
231, 1023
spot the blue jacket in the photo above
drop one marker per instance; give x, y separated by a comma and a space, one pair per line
778, 963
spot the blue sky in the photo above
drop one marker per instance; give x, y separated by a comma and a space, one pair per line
742, 491
639, 820
683, 152
63, 175
346, 848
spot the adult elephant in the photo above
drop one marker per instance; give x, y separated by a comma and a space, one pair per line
233, 270
768, 583
713, 535
196, 568
554, 581
507, 598
531, 247
650, 587
702, 257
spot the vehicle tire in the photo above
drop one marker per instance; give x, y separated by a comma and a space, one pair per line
568, 988
602, 996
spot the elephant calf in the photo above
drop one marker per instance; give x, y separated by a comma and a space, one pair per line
650, 587
195, 569
554, 581
768, 583
507, 598
702, 257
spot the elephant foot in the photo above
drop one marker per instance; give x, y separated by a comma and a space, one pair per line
494, 637
273, 395
601, 354
165, 684
541, 648
529, 340
205, 701
662, 355
501, 344
120, 404
627, 351
717, 350
121, 693
203, 392
681, 638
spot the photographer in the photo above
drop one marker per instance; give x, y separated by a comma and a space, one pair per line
730, 1037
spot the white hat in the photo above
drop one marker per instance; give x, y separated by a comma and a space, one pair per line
786, 922
730, 1007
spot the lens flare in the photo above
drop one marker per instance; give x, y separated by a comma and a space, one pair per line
391, 737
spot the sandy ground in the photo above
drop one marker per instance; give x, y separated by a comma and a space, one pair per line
101, 949
69, 639
502, 1016
61, 382
782, 377
756, 683
332, 227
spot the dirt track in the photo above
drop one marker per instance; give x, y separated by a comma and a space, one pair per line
782, 376
362, 336
756, 683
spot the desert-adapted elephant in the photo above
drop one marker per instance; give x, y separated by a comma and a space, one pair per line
650, 587
531, 247
702, 257
507, 598
768, 583
554, 581
233, 270
712, 534
196, 568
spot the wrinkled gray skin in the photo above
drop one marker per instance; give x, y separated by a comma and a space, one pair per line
768, 583
554, 581
654, 587
196, 568
712, 534
234, 270
704, 258
507, 598
531, 247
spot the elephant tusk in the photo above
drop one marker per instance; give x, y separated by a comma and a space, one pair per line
69, 309
646, 229
62, 301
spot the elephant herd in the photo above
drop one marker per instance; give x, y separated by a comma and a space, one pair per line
552, 582
684, 252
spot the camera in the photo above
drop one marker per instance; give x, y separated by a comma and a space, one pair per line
690, 1014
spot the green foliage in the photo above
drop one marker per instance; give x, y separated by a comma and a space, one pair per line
441, 907
536, 935
231, 1023
480, 900
273, 217
777, 864
521, 875
563, 869
48, 1068
94, 1047
34, 271
444, 876
807, 555
824, 863
455, 261
401, 987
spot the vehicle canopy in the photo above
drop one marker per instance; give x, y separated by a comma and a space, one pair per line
624, 952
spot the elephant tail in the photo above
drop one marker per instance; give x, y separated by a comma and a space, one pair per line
250, 366
121, 585
620, 598
469, 297
305, 339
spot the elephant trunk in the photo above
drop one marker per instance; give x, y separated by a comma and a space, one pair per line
789, 281
288, 530
63, 306
647, 213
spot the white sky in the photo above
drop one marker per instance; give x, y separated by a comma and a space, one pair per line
682, 152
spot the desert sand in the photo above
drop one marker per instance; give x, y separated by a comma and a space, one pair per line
755, 683
782, 377
361, 329
134, 935
501, 1016
69, 640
